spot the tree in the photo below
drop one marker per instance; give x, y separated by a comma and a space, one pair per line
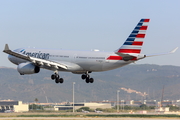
173, 108
143, 107
99, 109
35, 107
36, 100
83, 108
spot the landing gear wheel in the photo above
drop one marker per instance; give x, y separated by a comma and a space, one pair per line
61, 80
83, 76
87, 80
53, 76
91, 80
56, 80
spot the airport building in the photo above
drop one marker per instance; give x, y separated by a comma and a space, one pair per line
79, 105
13, 106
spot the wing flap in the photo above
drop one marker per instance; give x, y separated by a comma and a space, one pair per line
47, 63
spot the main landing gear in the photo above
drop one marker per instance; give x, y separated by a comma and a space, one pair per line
87, 78
57, 78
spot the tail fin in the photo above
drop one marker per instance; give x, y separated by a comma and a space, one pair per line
134, 42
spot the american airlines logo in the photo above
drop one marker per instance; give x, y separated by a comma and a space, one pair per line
36, 55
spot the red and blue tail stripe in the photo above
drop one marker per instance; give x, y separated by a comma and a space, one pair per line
134, 42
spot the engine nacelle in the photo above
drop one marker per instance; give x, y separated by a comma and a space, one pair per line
27, 68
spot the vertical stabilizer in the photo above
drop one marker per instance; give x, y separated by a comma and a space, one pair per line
134, 42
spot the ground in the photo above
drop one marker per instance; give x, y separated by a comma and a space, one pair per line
75, 116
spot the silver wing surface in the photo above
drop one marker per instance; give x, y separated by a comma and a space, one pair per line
36, 61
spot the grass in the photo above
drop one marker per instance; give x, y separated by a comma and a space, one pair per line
80, 115
50, 115
135, 115
103, 115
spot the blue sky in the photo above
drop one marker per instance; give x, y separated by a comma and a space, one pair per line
90, 24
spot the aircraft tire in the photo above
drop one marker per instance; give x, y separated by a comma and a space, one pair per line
87, 80
56, 80
53, 76
83, 76
61, 80
91, 80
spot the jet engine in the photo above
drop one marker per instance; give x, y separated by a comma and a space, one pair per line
27, 68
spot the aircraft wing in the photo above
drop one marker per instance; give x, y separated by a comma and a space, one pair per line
36, 61
158, 54
8, 51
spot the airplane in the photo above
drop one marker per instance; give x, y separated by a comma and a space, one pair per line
31, 60
85, 111
9, 111
98, 111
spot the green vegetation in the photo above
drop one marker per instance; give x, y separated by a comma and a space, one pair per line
127, 108
89, 115
145, 107
132, 115
39, 108
50, 115
35, 107
83, 108
102, 115
36, 100
48, 106
109, 110
114, 109
173, 108
141, 107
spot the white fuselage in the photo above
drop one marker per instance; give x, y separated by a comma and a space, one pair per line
30, 60
77, 61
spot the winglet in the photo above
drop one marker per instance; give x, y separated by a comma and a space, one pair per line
173, 51
6, 48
